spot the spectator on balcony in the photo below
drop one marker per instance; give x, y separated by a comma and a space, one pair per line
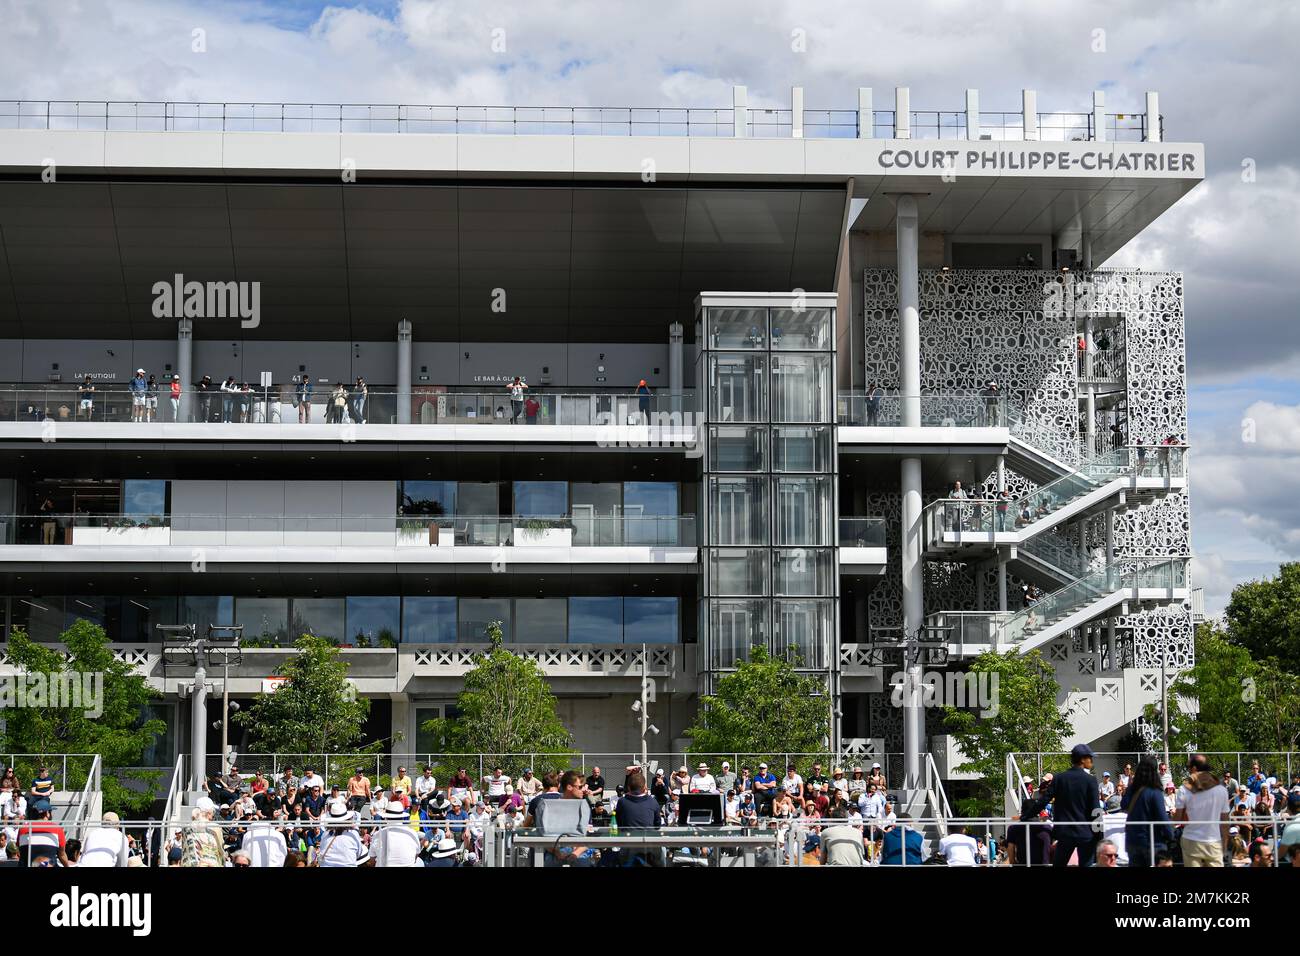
205, 389
360, 395
954, 513
139, 389
643, 401
151, 399
244, 401
531, 408
516, 389
302, 397
992, 404
228, 391
174, 393
86, 399
873, 404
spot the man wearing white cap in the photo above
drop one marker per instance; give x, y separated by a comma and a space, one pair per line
395, 843
105, 846
139, 395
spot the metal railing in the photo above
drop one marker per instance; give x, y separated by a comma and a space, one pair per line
935, 410
83, 803
361, 531
167, 116
174, 800
71, 772
1285, 765
281, 405
862, 532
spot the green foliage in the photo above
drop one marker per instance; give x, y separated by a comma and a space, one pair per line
1264, 617
118, 735
763, 709
1027, 719
506, 708
316, 710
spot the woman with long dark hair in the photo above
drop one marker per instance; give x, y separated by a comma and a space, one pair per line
1147, 831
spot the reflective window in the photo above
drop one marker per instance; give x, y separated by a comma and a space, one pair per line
803, 571
376, 621
263, 619
40, 617
596, 513
801, 448
739, 510
738, 448
541, 620
595, 620
477, 613
736, 627
320, 617
140, 615
159, 751
802, 511
808, 329
738, 571
144, 498
429, 620
477, 498
738, 388
803, 631
204, 609
801, 388
650, 620
736, 328
541, 499
427, 498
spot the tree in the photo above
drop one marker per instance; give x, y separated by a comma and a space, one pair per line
763, 709
1272, 723
506, 709
315, 711
119, 734
1208, 702
1026, 719
1264, 617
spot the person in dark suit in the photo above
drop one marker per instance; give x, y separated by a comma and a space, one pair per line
1076, 802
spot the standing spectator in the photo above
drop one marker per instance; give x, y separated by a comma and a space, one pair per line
205, 389
360, 394
873, 404
202, 844
151, 399
992, 404
86, 399
302, 397
228, 391
531, 408
139, 389
1203, 804
174, 393
516, 389
1075, 800
337, 404
643, 401
726, 780
661, 792
1147, 830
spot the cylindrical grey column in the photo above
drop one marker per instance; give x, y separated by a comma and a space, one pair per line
675, 367
909, 326
184, 367
199, 728
404, 372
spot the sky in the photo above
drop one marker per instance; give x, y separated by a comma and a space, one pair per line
1226, 73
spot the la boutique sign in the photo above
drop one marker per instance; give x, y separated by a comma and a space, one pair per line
1037, 159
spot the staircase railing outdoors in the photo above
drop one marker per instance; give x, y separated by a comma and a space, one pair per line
1056, 553
79, 809
936, 410
938, 798
172, 806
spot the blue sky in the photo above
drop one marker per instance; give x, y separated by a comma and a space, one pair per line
1219, 68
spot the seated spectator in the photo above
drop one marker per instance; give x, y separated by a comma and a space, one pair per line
841, 844
893, 842
41, 842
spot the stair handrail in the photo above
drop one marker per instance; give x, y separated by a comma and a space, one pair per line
80, 808
170, 806
1057, 553
938, 798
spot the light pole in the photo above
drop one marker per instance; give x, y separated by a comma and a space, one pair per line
642, 708
1164, 696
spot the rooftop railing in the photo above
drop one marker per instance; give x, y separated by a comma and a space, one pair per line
755, 122
385, 531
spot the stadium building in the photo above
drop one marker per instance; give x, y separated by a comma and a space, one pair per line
816, 301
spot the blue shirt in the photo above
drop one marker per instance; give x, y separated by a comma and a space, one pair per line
138, 385
892, 847
457, 818
765, 778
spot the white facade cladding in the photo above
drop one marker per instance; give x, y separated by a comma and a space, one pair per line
735, 440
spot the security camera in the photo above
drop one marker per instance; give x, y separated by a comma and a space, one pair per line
653, 729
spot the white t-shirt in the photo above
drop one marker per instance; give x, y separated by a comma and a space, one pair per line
496, 786
1113, 830
425, 785
959, 849
703, 783
1204, 808
265, 846
341, 848
395, 845
872, 805
792, 785
103, 846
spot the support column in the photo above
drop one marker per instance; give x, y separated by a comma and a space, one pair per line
676, 353
866, 114
972, 114
1154, 133
199, 728
1002, 580
796, 112
1085, 252
902, 112
909, 320
739, 111
1099, 116
184, 366
1110, 561
404, 372
1029, 113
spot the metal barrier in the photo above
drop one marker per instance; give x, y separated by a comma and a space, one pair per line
1285, 765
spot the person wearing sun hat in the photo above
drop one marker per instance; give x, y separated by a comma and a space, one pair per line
341, 846
395, 843
445, 853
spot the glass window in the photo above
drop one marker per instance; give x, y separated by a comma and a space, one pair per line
477, 613
264, 619
737, 626
739, 513
376, 620
541, 620
801, 388
426, 498
801, 448
804, 571
477, 498
596, 507
98, 609
40, 617
541, 499
321, 617
160, 751
738, 571
650, 620
595, 620
806, 329
429, 620
738, 388
738, 448
144, 498
140, 615
735, 328
425, 741
803, 631
802, 511
650, 498
204, 609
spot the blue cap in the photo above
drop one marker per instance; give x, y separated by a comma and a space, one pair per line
1079, 751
